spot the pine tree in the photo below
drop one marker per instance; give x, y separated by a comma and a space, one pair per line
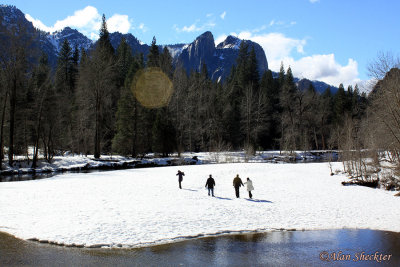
281, 77
204, 71
104, 39
163, 133
153, 58
166, 62
98, 90
180, 107
84, 109
64, 61
269, 87
339, 105
246, 101
75, 66
242, 65
124, 139
157, 122
326, 110
254, 76
288, 105
124, 60
128, 117
232, 114
65, 81
42, 86
309, 118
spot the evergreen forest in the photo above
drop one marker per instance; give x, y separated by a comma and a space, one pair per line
86, 106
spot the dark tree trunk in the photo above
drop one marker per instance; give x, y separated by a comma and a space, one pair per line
12, 122
135, 118
2, 131
36, 148
97, 130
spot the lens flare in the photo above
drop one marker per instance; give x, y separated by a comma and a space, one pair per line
152, 88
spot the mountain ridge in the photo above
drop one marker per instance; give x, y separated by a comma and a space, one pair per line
219, 58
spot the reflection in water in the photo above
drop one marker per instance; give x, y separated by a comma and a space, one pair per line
257, 249
43, 175
24, 177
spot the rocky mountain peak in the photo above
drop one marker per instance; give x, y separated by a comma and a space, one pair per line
10, 13
230, 42
74, 37
132, 41
202, 47
206, 37
10, 16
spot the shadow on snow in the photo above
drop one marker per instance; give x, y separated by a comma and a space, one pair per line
223, 198
190, 189
259, 200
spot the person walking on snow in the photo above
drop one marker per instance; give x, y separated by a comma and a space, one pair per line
180, 178
210, 185
250, 187
237, 183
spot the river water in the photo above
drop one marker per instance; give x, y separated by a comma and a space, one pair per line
344, 247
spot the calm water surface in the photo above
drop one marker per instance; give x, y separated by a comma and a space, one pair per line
287, 248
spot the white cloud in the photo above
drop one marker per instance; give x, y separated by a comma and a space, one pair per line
94, 36
87, 21
280, 48
87, 17
119, 23
223, 15
194, 27
142, 27
260, 29
38, 24
220, 39
313, 1
276, 45
324, 68
281, 24
278, 23
191, 28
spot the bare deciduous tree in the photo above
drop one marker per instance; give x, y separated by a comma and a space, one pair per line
383, 63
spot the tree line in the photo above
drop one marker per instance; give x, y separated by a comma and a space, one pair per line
86, 105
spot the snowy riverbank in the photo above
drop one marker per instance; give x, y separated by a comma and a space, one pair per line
82, 163
139, 207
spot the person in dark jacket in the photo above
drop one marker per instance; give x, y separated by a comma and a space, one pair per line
237, 183
210, 185
180, 178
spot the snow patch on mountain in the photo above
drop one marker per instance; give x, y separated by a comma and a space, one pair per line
74, 38
230, 42
175, 50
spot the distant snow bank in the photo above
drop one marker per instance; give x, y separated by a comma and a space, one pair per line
141, 207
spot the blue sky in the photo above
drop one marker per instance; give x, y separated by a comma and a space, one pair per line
327, 40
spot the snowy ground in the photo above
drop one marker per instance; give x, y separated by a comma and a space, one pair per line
139, 207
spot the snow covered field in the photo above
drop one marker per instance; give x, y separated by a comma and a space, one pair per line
138, 207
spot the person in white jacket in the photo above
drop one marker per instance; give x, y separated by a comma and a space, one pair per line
250, 187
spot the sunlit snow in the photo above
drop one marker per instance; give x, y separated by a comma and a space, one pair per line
138, 207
